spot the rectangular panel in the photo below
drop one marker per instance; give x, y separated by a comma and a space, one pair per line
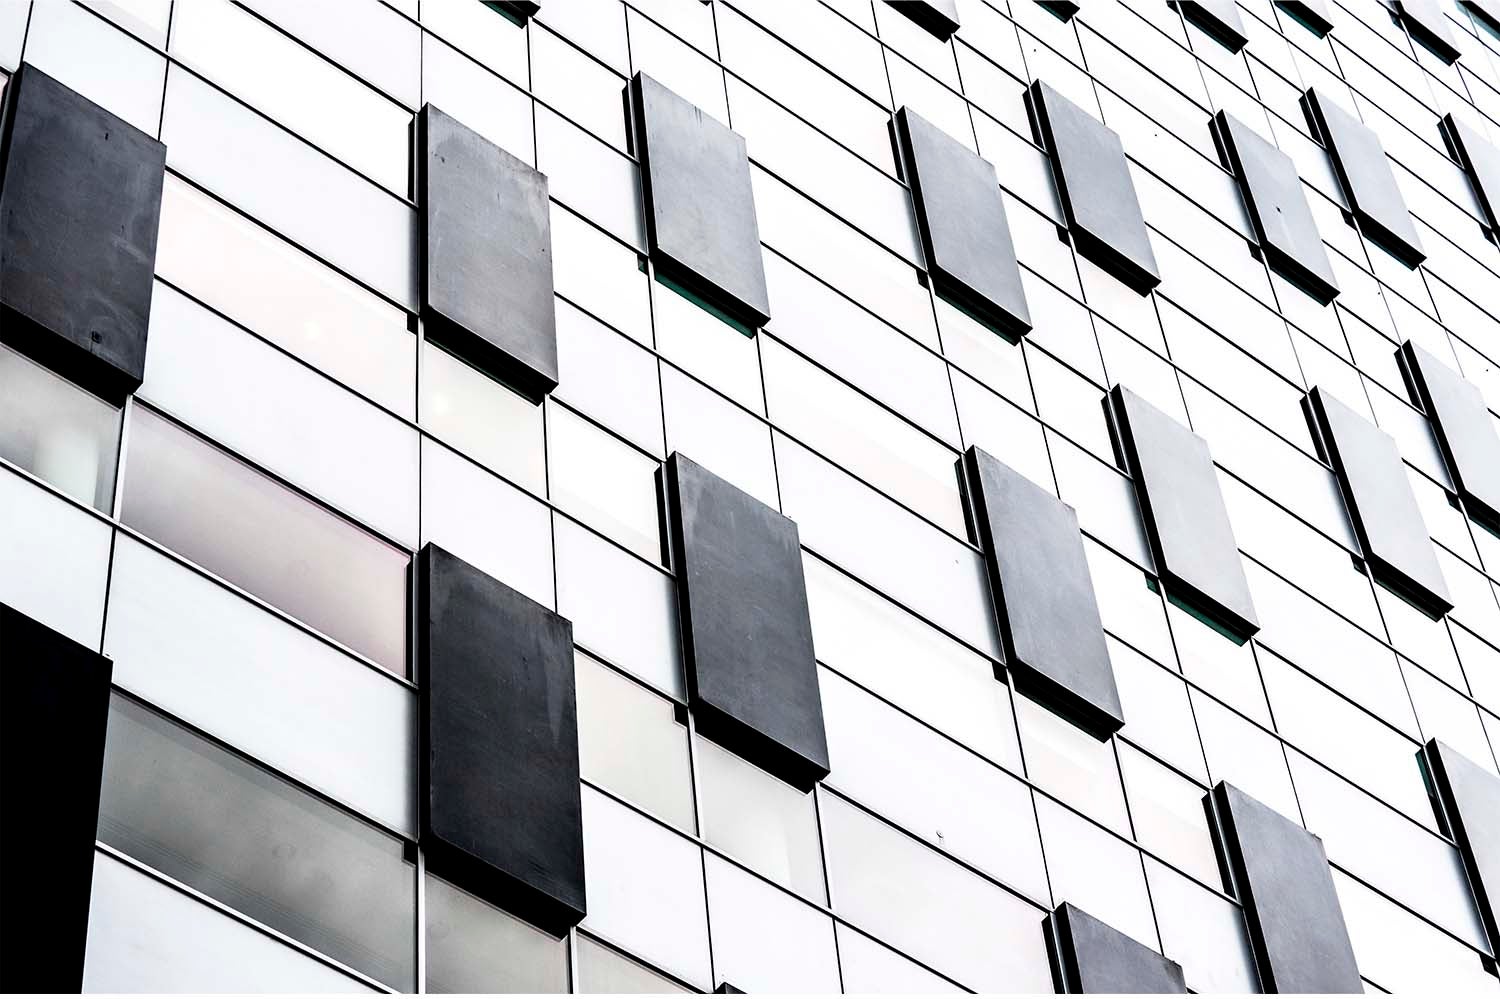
1470, 795
961, 216
1427, 23
1093, 180
1178, 488
752, 679
1481, 161
700, 209
54, 559
1220, 19
500, 810
1296, 925
1313, 14
1284, 224
487, 247
940, 17
1464, 429
1387, 521
80, 202
1094, 957
1044, 596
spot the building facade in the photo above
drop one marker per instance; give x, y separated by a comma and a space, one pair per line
654, 495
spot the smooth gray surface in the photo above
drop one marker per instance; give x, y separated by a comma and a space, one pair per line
487, 273
700, 208
1178, 489
1218, 18
1292, 909
1098, 194
747, 636
940, 17
1427, 24
1463, 427
1387, 521
1044, 595
1283, 222
1481, 162
1093, 958
1470, 795
1313, 13
961, 216
1366, 177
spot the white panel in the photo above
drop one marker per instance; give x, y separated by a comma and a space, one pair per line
13, 15
54, 560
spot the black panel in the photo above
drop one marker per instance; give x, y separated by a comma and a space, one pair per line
1291, 907
1090, 957
1365, 174
1464, 430
1425, 20
1093, 180
501, 814
1219, 19
1187, 524
1481, 162
1488, 11
1387, 521
747, 637
487, 255
961, 216
1283, 222
54, 709
1061, 9
516, 10
1044, 596
80, 202
940, 17
700, 209
1313, 14
1470, 795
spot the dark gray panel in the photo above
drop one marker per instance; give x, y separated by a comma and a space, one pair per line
940, 17
1488, 11
1481, 162
80, 202
1365, 175
700, 209
1464, 430
961, 216
1090, 957
517, 10
1093, 180
1425, 21
54, 709
746, 633
1313, 14
1470, 795
1382, 507
1220, 19
501, 813
1292, 910
1061, 9
1283, 222
1187, 524
1044, 595
487, 252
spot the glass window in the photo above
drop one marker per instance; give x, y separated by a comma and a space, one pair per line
1071, 764
1246, 756
1401, 953
873, 968
1202, 932
1158, 716
1167, 813
105, 65
765, 940
603, 481
719, 435
592, 178
493, 39
600, 275
608, 377
384, 50
603, 969
477, 97
998, 426
585, 91
58, 432
483, 419
474, 947
1098, 872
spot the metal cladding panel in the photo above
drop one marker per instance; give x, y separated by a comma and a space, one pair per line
700, 208
54, 710
961, 216
1365, 174
1312, 13
1218, 18
487, 255
1044, 596
747, 636
80, 203
1481, 161
1292, 909
501, 811
1090, 957
1471, 799
1284, 224
1487, 11
939, 17
1062, 9
1465, 431
1387, 521
1094, 183
1427, 24
1186, 520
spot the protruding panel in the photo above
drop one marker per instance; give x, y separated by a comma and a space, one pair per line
501, 814
1219, 19
1463, 427
1187, 523
700, 209
519, 10
1487, 11
940, 17
487, 259
1365, 174
1292, 910
54, 706
1090, 957
1061, 9
1094, 183
1387, 521
1427, 24
961, 215
752, 678
1284, 224
1471, 800
1313, 14
1481, 162
80, 202
1044, 596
